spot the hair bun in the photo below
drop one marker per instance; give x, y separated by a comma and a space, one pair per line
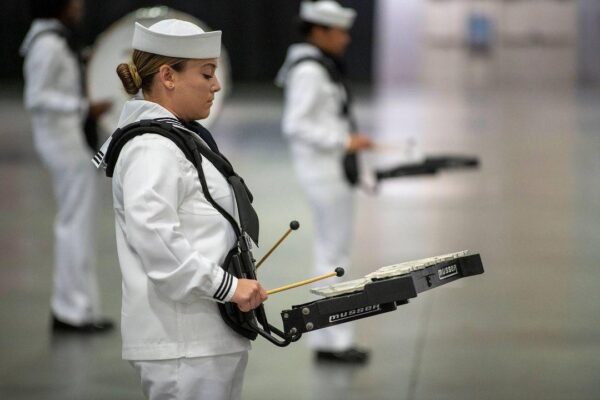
135, 75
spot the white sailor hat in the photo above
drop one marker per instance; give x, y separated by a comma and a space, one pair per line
176, 38
328, 13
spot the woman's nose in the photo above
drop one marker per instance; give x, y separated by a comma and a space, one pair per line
216, 86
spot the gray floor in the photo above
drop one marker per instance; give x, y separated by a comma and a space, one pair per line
529, 328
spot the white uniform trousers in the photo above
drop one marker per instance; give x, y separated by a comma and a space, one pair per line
332, 206
201, 378
75, 296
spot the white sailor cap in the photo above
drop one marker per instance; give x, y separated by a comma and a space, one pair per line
328, 13
177, 38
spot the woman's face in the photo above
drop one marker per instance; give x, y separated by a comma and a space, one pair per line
332, 40
194, 89
73, 13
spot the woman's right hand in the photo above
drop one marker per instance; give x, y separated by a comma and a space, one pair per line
359, 141
249, 294
98, 109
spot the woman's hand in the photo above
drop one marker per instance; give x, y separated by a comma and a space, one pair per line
359, 141
98, 109
249, 294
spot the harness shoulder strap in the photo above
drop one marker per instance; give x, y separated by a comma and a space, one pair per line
192, 149
333, 72
247, 215
218, 161
197, 161
123, 135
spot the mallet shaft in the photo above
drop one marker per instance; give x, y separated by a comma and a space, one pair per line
293, 226
285, 235
337, 272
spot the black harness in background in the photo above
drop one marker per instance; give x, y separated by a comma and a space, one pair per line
239, 261
350, 159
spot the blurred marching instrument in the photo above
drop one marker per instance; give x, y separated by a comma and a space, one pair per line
114, 47
413, 162
395, 147
429, 165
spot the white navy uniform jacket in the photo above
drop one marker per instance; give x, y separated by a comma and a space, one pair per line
171, 243
53, 93
312, 119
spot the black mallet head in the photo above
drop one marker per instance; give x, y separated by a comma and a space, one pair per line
339, 271
294, 225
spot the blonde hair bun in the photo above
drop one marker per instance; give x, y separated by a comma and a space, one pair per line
130, 77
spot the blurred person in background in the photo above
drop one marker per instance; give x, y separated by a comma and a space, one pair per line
55, 97
324, 142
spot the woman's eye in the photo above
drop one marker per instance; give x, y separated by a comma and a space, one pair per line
207, 76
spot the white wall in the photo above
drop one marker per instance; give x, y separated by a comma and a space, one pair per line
534, 42
398, 35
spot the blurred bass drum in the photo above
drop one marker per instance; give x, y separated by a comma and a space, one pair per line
114, 47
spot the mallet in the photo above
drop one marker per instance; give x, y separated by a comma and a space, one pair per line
338, 272
293, 226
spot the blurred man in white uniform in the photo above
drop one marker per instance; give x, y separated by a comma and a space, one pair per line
55, 98
318, 122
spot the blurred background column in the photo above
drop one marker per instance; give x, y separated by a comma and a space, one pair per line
589, 42
397, 52
397, 64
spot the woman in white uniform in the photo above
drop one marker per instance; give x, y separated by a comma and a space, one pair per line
171, 240
54, 97
319, 128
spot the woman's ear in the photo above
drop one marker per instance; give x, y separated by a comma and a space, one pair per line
166, 77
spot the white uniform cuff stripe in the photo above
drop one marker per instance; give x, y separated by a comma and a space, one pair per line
224, 287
